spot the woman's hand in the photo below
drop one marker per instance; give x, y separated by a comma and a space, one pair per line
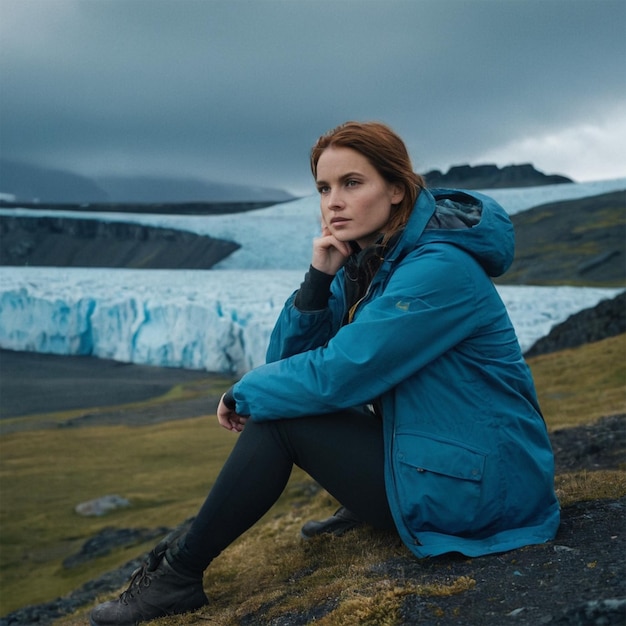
228, 419
329, 254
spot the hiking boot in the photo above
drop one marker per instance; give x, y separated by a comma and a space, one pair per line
156, 589
337, 524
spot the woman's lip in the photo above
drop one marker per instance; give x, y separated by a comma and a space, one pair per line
339, 220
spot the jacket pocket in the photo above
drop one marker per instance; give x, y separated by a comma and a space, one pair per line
439, 484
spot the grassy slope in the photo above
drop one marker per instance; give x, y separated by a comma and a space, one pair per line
575, 242
166, 469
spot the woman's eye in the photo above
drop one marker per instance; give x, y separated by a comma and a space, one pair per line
323, 189
352, 183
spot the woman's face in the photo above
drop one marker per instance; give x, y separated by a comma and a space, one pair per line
355, 199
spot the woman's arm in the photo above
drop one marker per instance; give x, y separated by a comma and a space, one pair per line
431, 304
312, 315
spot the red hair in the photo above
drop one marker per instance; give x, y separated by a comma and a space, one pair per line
386, 151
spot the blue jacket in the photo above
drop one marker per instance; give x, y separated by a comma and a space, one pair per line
468, 462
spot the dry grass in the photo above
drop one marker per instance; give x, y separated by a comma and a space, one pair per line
271, 571
580, 486
164, 470
578, 386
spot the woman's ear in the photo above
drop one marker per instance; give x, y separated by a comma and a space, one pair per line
397, 194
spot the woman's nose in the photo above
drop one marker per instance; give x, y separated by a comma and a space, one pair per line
335, 200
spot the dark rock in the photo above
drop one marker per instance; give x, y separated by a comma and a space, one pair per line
67, 242
606, 319
492, 177
601, 445
110, 538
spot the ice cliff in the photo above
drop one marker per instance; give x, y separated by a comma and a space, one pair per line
214, 320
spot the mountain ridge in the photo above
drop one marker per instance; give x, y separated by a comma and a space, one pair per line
32, 184
490, 176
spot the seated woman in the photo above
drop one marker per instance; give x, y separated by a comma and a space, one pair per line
393, 377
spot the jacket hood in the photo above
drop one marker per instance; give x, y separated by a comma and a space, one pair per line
469, 220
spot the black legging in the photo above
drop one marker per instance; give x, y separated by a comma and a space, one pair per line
342, 451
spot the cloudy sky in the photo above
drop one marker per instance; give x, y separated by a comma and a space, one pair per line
238, 90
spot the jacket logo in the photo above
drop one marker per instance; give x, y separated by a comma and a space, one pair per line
403, 306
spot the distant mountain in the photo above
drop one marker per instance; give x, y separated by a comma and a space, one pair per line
29, 183
21, 182
150, 189
492, 177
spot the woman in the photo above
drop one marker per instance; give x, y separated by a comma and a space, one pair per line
393, 377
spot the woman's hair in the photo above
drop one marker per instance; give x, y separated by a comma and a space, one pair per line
386, 151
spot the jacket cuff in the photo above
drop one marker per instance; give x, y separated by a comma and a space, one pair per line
229, 400
314, 291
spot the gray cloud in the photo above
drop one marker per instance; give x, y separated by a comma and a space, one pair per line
237, 90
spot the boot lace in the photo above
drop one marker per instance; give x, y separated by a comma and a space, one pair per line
140, 578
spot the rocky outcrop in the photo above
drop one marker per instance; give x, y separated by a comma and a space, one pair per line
492, 177
606, 319
109, 539
66, 242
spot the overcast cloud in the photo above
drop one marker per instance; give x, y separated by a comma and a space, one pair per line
238, 90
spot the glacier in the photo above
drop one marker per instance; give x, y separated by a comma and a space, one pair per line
220, 320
